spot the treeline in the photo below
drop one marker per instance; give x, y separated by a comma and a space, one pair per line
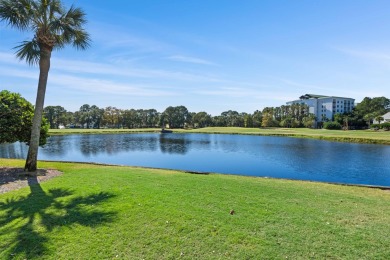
370, 109
295, 115
91, 116
362, 116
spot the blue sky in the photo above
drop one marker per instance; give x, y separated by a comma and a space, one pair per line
213, 55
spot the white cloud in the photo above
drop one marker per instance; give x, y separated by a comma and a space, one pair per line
107, 69
91, 85
243, 92
19, 73
305, 87
371, 55
8, 58
107, 86
187, 59
76, 66
117, 38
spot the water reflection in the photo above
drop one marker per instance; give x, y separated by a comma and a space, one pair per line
59, 145
16, 150
181, 144
172, 145
248, 155
113, 144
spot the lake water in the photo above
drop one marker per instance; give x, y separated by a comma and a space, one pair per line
279, 157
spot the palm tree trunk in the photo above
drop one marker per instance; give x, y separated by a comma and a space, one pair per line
44, 66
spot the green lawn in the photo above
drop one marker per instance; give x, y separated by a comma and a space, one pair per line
358, 136
106, 212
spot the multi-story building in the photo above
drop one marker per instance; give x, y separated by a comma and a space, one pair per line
325, 107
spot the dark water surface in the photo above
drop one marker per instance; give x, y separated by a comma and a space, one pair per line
279, 157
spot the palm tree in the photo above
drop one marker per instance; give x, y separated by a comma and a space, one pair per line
368, 118
379, 119
53, 28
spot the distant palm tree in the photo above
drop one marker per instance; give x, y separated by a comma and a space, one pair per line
53, 27
368, 118
379, 119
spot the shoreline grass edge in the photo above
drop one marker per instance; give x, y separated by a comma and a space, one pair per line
217, 173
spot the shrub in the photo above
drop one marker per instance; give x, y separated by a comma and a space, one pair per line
386, 126
375, 126
332, 125
16, 115
308, 122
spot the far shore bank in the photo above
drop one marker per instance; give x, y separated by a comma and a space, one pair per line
350, 136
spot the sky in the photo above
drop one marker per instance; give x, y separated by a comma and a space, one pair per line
212, 55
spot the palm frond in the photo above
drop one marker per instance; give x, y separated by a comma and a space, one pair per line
75, 16
17, 13
81, 40
54, 26
46, 10
73, 19
55, 7
28, 51
68, 28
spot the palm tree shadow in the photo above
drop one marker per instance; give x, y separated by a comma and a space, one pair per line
40, 212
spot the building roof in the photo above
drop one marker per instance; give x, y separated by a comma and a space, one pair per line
386, 116
309, 96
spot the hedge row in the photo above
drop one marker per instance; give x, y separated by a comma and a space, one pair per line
332, 125
384, 126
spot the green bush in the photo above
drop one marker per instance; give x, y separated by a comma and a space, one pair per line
16, 115
332, 125
386, 126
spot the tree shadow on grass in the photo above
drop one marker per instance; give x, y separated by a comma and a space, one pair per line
31, 217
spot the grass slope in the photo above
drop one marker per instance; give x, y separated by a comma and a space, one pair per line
105, 212
358, 136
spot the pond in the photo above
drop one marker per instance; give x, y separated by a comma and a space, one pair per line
278, 157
